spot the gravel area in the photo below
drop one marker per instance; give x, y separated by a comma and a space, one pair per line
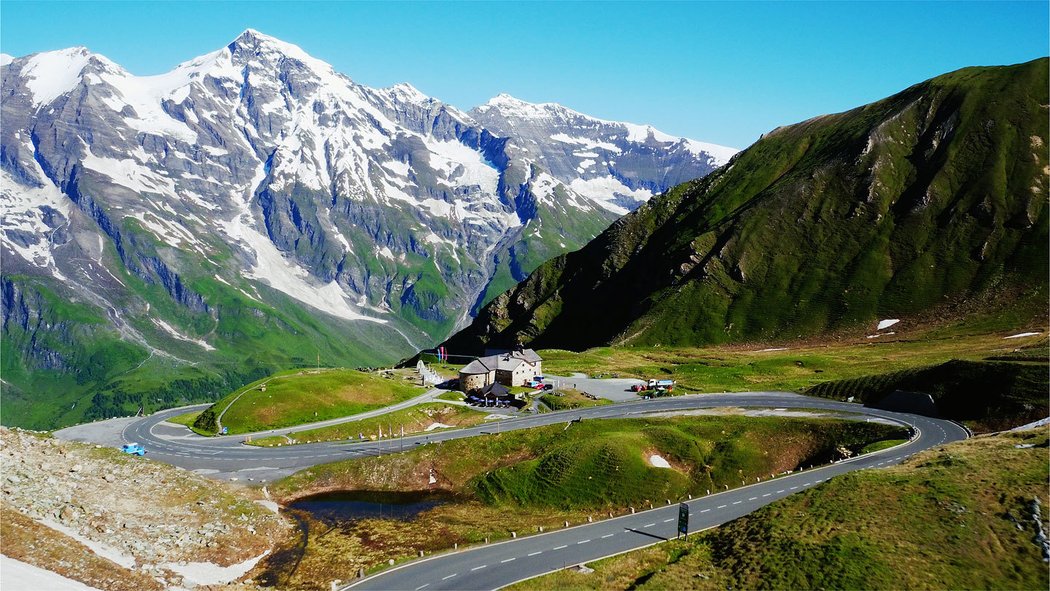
172, 525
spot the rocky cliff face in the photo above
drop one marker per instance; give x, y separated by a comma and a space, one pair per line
253, 208
935, 195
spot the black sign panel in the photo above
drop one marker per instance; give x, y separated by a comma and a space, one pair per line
683, 518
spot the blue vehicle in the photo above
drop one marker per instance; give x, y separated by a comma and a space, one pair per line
133, 449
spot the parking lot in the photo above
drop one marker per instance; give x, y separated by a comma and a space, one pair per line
615, 389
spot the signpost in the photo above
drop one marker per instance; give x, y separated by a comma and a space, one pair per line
683, 520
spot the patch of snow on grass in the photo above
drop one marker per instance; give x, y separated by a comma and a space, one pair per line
433, 426
658, 462
176, 334
887, 323
108, 552
1022, 335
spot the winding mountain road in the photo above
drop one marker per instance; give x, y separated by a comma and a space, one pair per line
496, 565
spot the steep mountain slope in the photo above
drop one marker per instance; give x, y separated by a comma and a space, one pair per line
935, 195
250, 210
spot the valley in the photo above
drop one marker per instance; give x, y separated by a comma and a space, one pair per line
268, 327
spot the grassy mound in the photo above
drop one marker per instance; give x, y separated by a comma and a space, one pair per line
304, 396
568, 398
599, 463
606, 463
957, 517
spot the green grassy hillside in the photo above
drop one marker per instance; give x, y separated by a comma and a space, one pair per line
957, 517
305, 396
63, 362
932, 201
601, 463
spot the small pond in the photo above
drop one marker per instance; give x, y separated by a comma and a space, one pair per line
335, 507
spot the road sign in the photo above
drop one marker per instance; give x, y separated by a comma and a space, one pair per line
683, 519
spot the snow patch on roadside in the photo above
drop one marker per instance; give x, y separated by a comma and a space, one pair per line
437, 426
1033, 425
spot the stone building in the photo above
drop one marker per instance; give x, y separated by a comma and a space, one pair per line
514, 368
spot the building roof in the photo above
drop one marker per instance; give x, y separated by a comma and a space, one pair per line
496, 389
504, 362
477, 366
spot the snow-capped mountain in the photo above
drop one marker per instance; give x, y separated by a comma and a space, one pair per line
254, 191
617, 165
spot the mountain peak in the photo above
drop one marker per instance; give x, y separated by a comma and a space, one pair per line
514, 107
409, 92
252, 42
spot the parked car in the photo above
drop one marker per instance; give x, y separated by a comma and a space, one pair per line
133, 449
548, 387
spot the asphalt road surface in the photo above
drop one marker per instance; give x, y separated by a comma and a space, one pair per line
496, 565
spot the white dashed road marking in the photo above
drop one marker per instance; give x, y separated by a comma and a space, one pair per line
507, 560
535, 553
479, 567
448, 577
560, 547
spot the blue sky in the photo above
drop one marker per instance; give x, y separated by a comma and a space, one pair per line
718, 72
